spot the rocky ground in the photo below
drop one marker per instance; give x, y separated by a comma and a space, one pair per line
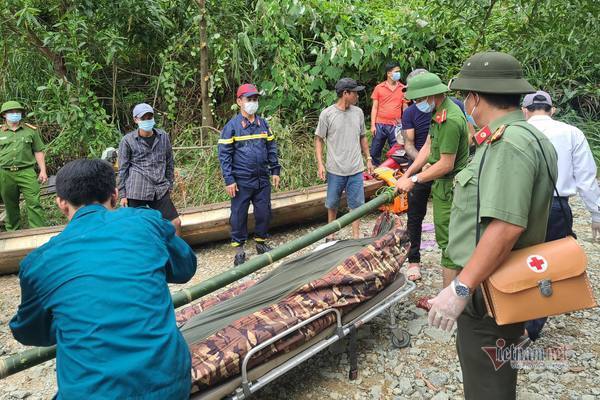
427, 369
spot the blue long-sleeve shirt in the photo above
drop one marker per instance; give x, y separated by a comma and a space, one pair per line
248, 152
98, 290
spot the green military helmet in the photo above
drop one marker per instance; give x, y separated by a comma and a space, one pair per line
423, 85
11, 105
492, 72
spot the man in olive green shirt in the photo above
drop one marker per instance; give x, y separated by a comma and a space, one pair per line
445, 153
512, 173
21, 147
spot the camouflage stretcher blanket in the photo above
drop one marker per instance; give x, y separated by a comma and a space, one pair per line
220, 330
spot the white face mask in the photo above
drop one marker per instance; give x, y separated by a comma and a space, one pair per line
251, 107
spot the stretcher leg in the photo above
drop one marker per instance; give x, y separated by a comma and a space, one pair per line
400, 337
353, 354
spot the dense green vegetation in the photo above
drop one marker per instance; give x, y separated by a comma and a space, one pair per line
80, 66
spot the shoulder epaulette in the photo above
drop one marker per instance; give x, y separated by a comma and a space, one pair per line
441, 117
498, 134
3, 127
30, 126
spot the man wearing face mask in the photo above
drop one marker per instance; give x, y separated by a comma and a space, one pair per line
576, 173
501, 203
146, 167
248, 157
21, 148
415, 131
342, 127
386, 112
446, 150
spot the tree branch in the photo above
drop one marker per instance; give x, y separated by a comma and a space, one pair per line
481, 36
57, 60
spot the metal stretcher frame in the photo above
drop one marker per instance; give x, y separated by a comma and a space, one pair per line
400, 338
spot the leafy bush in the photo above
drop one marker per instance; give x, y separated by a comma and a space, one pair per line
80, 66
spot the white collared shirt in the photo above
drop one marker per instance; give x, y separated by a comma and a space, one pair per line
576, 166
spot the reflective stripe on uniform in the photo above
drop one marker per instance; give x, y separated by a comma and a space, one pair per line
247, 137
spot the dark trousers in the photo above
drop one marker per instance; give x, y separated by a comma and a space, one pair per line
558, 228
417, 208
383, 133
476, 336
261, 201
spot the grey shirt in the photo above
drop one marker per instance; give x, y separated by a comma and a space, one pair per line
145, 172
342, 131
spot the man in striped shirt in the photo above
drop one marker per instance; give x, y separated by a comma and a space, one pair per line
248, 157
146, 167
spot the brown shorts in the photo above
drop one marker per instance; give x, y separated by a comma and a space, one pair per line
164, 205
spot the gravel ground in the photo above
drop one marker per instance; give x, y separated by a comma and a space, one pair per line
428, 369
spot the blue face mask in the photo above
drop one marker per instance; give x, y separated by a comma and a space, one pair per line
396, 76
146, 125
13, 118
425, 107
470, 118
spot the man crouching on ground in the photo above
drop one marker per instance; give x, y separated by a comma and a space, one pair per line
98, 290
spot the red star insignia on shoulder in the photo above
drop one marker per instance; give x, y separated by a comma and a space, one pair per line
3, 127
244, 124
483, 135
441, 117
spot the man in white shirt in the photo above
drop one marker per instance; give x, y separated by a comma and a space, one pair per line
576, 174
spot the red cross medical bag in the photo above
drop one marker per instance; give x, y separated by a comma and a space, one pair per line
538, 281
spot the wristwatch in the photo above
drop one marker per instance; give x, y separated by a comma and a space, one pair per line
461, 290
415, 178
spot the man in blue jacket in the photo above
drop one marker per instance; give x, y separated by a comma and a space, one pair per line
98, 290
248, 156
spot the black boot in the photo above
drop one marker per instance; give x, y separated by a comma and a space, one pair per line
262, 247
240, 256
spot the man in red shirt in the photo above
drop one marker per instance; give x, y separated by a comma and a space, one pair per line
388, 101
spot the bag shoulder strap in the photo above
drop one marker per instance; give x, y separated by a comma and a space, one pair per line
527, 128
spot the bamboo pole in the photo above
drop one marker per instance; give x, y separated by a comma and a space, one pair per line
29, 358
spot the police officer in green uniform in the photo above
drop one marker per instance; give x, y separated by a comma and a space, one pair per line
515, 192
21, 147
445, 153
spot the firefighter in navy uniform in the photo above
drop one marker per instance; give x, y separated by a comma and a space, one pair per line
248, 157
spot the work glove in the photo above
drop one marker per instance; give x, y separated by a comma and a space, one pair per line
445, 308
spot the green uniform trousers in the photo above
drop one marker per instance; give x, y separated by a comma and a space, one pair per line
441, 193
12, 184
477, 331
